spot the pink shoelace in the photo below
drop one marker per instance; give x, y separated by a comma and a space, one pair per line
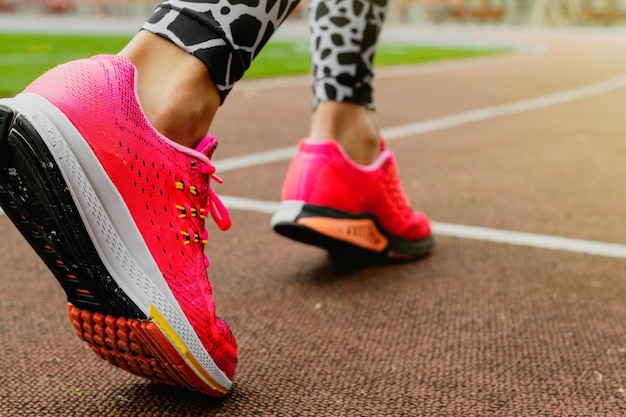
218, 210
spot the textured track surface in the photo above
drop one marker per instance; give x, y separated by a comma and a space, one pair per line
478, 329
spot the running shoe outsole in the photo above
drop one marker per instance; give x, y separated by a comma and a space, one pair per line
345, 235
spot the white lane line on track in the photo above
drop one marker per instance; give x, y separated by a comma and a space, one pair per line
588, 247
442, 123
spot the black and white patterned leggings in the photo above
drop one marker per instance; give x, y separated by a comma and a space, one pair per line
227, 34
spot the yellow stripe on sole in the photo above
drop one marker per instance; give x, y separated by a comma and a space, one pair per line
193, 363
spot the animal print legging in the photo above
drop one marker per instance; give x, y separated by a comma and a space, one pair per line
227, 34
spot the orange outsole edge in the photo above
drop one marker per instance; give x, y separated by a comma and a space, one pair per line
138, 347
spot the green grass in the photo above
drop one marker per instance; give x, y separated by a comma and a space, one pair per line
23, 57
292, 58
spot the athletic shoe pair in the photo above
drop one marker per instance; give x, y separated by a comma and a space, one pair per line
117, 213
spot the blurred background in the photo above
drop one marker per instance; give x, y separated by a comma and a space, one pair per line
516, 12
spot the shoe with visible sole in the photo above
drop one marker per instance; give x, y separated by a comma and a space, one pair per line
350, 209
116, 211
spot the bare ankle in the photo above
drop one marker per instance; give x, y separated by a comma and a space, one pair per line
352, 126
174, 88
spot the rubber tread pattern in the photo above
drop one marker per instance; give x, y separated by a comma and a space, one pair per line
136, 346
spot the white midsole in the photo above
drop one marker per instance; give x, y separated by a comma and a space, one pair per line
110, 225
287, 212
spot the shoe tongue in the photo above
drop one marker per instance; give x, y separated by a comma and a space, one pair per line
207, 146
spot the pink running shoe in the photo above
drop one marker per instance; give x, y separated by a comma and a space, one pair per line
349, 209
116, 211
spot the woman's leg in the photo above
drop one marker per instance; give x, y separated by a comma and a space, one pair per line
344, 36
183, 106
195, 52
342, 191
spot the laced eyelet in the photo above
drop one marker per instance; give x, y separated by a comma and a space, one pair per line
214, 206
186, 237
183, 211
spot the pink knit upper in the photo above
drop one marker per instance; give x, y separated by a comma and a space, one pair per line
322, 174
164, 185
